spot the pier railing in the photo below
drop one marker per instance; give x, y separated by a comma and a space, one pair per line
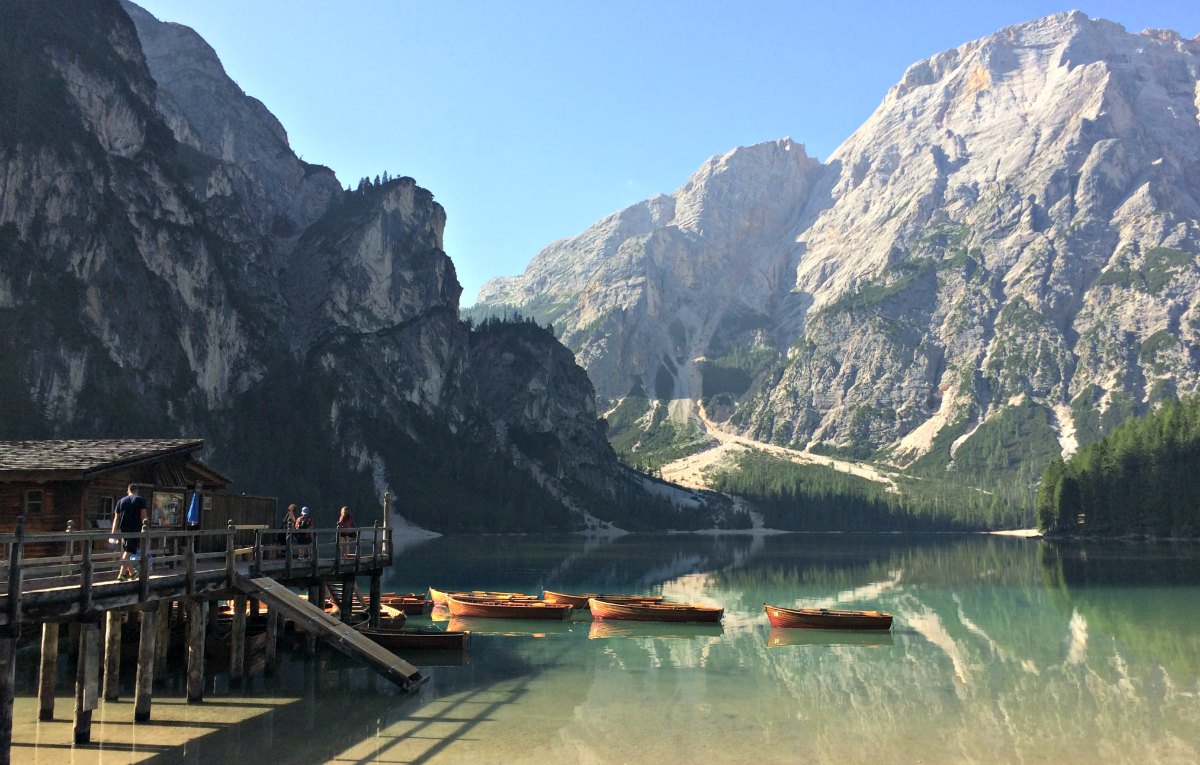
60, 573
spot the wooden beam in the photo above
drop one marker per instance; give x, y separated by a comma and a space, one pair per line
48, 671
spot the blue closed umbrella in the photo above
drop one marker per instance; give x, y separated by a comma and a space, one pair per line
193, 515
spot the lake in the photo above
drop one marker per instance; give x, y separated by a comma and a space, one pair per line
1002, 650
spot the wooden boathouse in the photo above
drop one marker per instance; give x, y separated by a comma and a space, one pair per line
58, 568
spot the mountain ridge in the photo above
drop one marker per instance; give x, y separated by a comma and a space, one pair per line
1010, 237
169, 266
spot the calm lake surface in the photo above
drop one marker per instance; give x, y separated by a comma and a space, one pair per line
1003, 650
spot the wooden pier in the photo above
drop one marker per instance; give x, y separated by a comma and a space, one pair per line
193, 569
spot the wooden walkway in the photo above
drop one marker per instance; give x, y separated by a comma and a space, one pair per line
74, 578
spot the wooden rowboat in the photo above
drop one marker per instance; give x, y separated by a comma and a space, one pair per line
581, 601
508, 609
439, 596
827, 618
411, 604
655, 612
428, 639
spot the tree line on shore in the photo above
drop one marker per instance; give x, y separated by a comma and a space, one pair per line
1140, 480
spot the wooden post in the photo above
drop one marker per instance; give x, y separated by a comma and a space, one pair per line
230, 565
87, 680
373, 613
87, 576
48, 672
70, 548
162, 637
287, 561
375, 545
190, 578
387, 523
258, 552
273, 619
144, 569
144, 686
357, 550
8, 678
315, 552
15, 553
196, 613
237, 639
112, 655
337, 552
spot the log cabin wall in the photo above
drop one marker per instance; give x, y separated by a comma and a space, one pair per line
219, 509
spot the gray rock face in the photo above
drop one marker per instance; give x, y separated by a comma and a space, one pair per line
1017, 221
169, 266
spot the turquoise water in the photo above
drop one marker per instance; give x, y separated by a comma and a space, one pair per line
1003, 650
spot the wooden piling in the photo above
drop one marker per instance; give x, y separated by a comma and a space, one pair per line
112, 654
347, 604
48, 671
144, 686
314, 597
87, 680
373, 609
162, 637
273, 620
197, 613
237, 639
7, 685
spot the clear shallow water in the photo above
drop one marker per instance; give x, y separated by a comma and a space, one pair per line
1003, 650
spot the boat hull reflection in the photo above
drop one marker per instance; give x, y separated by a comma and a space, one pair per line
508, 627
658, 630
779, 637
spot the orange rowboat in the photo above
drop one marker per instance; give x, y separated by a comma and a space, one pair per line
654, 612
581, 601
827, 618
439, 596
507, 609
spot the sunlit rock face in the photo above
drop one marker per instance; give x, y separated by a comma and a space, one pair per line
1016, 224
169, 266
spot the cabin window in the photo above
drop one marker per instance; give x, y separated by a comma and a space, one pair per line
106, 509
33, 501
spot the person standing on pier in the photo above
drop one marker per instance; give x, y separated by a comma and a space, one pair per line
129, 515
345, 521
304, 538
288, 523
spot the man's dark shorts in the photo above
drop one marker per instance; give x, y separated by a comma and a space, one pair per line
131, 544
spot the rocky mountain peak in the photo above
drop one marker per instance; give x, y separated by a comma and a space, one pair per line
1011, 236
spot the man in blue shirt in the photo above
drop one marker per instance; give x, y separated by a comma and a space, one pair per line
129, 515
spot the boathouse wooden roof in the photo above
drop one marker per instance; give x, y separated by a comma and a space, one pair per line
83, 459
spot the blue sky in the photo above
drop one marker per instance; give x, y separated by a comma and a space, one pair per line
531, 120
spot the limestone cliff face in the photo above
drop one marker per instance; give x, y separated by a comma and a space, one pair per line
1017, 223
168, 265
